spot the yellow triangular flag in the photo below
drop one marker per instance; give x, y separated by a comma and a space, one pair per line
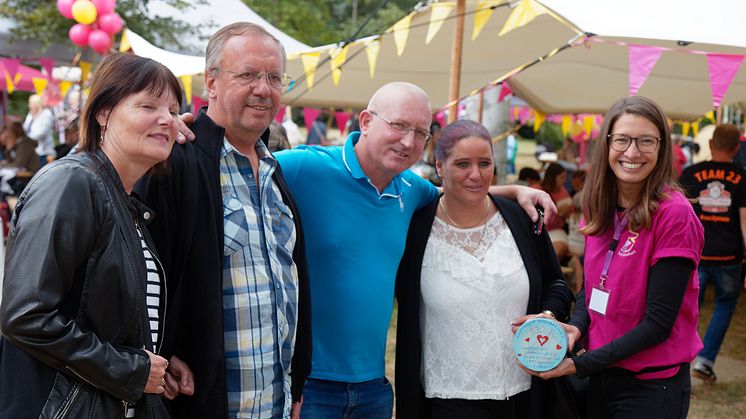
538, 120
186, 81
695, 128
710, 115
566, 122
338, 57
39, 84
481, 16
10, 87
439, 13
124, 42
371, 50
310, 61
85, 71
401, 33
64, 87
526, 11
685, 128
87, 92
588, 125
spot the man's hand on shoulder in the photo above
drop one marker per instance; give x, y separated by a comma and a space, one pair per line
184, 132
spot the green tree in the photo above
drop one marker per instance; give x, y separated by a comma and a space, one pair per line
40, 21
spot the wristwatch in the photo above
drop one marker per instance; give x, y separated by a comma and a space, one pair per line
549, 313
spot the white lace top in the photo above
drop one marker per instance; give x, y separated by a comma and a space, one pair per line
471, 290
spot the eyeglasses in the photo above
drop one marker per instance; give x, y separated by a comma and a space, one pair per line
404, 129
275, 80
645, 143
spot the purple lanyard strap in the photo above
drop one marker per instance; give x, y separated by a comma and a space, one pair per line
618, 227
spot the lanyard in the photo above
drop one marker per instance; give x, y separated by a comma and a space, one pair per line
618, 227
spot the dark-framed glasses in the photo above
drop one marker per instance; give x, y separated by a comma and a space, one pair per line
644, 143
275, 80
404, 129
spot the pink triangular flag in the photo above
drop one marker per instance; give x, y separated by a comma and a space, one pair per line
309, 115
280, 115
524, 114
504, 91
47, 64
642, 59
341, 118
723, 68
197, 104
12, 64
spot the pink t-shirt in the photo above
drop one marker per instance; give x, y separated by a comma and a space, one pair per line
675, 232
558, 196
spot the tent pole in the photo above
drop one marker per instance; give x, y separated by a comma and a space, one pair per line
458, 38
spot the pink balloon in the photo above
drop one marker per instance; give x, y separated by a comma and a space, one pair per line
79, 34
66, 8
104, 6
100, 41
110, 22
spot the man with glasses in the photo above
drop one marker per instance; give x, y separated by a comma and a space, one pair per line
230, 239
356, 201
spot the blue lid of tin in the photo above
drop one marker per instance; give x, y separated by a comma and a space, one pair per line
540, 344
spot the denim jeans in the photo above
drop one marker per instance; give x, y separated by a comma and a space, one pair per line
324, 399
727, 281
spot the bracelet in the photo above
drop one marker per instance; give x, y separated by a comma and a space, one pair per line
549, 313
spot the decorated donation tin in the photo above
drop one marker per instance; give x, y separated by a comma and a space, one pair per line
540, 344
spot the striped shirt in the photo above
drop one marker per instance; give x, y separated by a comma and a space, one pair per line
260, 287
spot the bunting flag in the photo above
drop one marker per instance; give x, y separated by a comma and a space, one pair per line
310, 61
525, 12
566, 122
642, 59
695, 128
538, 120
197, 104
186, 82
401, 33
64, 87
47, 64
85, 71
482, 15
371, 51
39, 84
11, 66
310, 115
723, 68
710, 115
588, 125
504, 91
338, 58
515, 112
685, 128
10, 86
280, 115
341, 118
124, 42
524, 114
438, 14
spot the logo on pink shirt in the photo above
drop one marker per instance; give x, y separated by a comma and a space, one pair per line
628, 248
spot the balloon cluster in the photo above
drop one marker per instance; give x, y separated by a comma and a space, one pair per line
97, 22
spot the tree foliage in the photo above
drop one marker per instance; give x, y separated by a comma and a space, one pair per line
39, 20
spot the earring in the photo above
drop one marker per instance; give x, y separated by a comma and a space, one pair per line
103, 131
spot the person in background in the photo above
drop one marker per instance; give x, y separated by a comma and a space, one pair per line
39, 126
511, 150
354, 123
529, 177
72, 136
20, 151
717, 189
553, 183
84, 296
575, 239
278, 139
470, 267
637, 313
317, 130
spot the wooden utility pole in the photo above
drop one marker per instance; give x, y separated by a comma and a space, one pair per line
458, 40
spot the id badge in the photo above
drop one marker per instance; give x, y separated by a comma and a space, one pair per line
599, 300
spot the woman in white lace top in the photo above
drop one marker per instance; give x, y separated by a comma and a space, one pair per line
471, 267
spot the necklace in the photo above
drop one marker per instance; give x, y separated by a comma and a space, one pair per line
484, 220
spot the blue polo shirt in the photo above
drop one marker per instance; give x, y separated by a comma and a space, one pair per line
355, 238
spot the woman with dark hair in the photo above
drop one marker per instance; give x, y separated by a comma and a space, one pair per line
84, 295
470, 267
20, 151
554, 185
637, 314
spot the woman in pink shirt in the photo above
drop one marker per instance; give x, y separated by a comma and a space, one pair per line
637, 314
554, 185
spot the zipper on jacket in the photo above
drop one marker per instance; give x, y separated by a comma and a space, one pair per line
69, 402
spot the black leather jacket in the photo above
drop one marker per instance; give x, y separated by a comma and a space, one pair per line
73, 313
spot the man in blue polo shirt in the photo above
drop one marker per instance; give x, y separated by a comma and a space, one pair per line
356, 202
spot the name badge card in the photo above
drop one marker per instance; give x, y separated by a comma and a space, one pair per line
599, 300
540, 344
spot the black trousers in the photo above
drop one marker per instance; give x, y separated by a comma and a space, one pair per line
515, 407
615, 393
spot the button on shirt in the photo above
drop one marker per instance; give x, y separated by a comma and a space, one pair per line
260, 287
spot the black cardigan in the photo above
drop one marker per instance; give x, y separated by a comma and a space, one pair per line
188, 232
548, 291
